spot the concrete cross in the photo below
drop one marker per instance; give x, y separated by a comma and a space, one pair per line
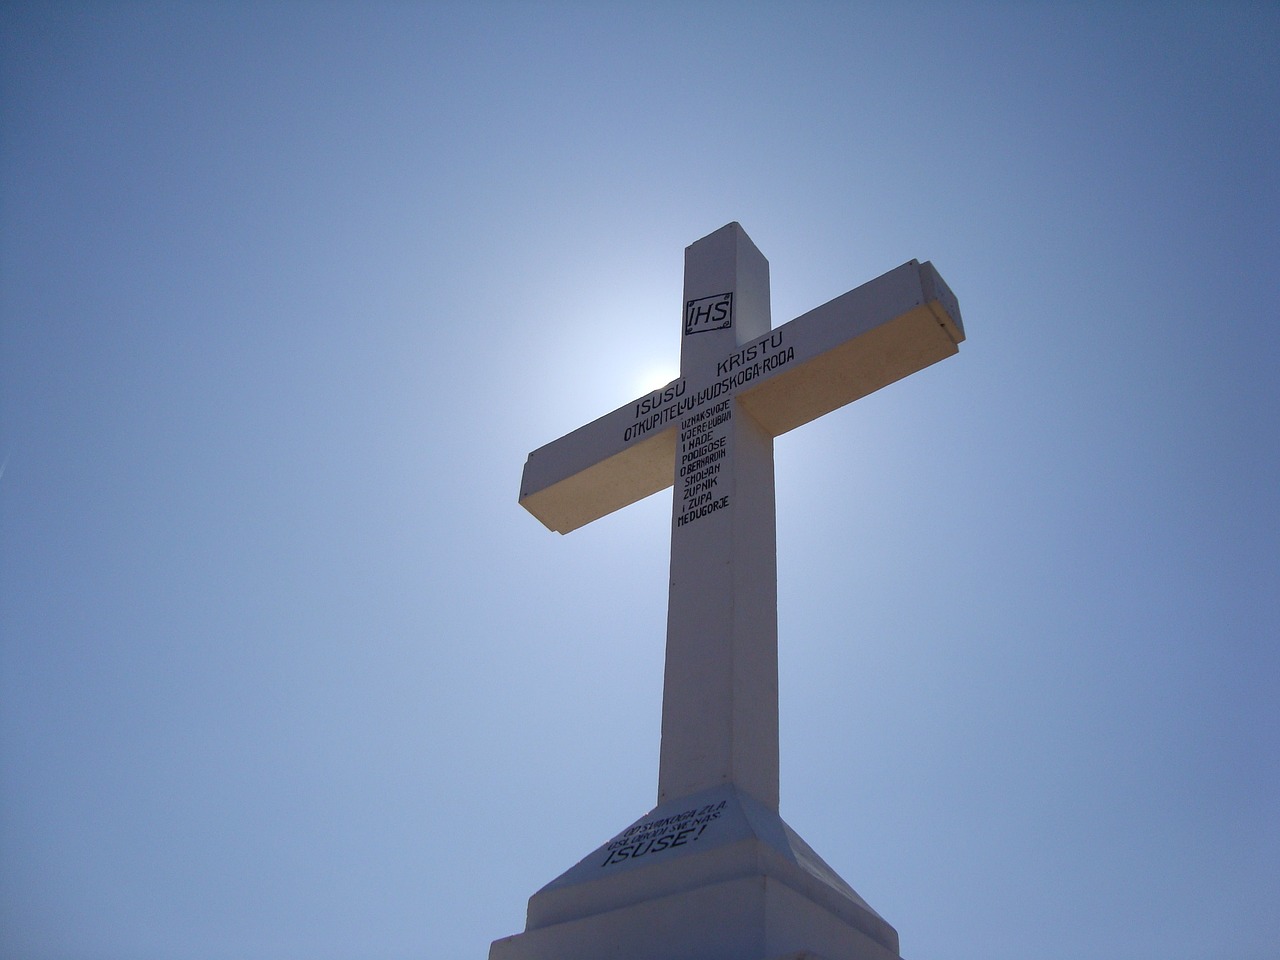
710, 433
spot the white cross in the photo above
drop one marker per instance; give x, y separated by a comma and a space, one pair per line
710, 432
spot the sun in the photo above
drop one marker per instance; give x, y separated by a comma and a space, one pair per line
653, 376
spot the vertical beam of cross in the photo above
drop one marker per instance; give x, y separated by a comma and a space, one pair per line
720, 695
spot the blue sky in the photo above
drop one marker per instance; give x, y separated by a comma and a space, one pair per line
288, 292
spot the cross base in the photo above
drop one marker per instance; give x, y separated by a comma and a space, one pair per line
713, 876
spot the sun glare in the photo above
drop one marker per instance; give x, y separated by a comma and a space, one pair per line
653, 376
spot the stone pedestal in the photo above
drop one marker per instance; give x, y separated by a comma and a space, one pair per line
712, 876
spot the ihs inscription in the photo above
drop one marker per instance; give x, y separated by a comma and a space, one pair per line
708, 313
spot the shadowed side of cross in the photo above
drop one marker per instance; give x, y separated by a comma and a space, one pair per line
710, 433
